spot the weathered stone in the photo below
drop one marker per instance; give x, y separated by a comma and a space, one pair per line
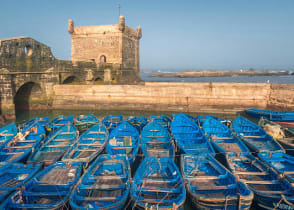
26, 63
162, 96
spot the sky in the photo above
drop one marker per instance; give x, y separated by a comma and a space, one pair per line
177, 35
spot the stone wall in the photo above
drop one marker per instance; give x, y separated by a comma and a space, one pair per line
91, 42
6, 94
164, 96
25, 54
281, 97
130, 51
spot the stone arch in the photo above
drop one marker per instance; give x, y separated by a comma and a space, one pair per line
70, 80
27, 96
98, 81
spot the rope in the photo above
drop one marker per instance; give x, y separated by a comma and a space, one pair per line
277, 205
286, 201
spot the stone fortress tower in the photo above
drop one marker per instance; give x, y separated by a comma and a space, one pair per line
114, 46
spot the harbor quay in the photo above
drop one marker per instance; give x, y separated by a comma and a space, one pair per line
93, 131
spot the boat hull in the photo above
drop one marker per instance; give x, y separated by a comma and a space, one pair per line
221, 204
137, 206
273, 202
45, 191
287, 124
105, 185
158, 184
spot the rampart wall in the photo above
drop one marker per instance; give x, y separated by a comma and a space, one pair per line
168, 96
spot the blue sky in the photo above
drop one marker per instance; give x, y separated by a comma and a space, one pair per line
177, 35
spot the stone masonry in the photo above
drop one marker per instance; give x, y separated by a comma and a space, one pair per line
115, 44
28, 69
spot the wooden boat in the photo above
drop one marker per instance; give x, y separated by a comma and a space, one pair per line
49, 189
163, 120
254, 136
84, 122
158, 184
201, 119
285, 136
124, 139
23, 144
55, 145
211, 186
271, 191
189, 137
90, 144
105, 185
280, 162
13, 176
112, 121
283, 118
43, 121
156, 141
7, 133
222, 138
58, 122
137, 122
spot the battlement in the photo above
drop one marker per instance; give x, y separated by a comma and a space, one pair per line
91, 30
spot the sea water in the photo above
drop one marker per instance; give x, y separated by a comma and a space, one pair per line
283, 79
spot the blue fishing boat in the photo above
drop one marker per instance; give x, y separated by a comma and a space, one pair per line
48, 189
137, 122
222, 138
14, 175
112, 121
55, 145
23, 144
188, 136
280, 162
84, 122
163, 120
156, 141
254, 136
201, 119
59, 122
283, 135
284, 118
271, 191
90, 144
43, 121
211, 186
124, 139
158, 184
7, 133
105, 185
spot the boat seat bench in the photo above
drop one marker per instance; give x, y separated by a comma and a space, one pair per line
251, 173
